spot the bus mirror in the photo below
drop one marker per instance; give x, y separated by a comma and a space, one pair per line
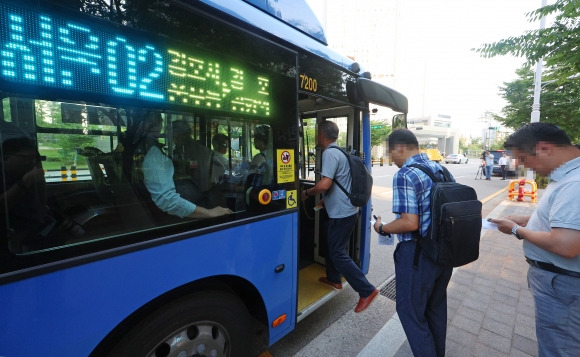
399, 121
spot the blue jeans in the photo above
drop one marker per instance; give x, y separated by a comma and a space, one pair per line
557, 299
339, 233
488, 171
421, 300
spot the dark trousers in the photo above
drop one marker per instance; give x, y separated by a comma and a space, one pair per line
339, 232
503, 171
421, 300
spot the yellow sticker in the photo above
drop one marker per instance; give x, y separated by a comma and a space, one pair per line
285, 162
292, 199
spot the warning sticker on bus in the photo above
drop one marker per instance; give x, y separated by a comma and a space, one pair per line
285, 170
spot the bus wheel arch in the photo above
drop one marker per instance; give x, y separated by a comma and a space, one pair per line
233, 294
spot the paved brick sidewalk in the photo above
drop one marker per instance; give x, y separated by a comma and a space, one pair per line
490, 308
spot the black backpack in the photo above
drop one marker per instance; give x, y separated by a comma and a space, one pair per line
361, 180
453, 237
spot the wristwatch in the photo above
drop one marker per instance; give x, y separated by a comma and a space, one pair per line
515, 232
381, 230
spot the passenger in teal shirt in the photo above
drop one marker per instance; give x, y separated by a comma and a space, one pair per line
158, 173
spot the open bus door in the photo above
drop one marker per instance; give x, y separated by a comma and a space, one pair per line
312, 250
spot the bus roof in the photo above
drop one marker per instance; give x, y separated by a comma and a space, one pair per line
287, 10
262, 20
303, 34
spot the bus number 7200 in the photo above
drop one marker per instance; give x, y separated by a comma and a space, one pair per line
308, 83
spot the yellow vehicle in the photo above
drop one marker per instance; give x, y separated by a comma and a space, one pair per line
433, 154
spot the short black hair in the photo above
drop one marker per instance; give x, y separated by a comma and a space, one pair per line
180, 127
403, 136
219, 141
262, 132
527, 137
15, 145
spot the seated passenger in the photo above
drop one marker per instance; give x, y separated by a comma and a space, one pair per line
192, 163
25, 217
261, 163
219, 161
157, 169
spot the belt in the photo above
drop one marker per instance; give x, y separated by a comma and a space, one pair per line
552, 268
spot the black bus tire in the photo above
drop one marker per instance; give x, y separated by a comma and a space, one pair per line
212, 323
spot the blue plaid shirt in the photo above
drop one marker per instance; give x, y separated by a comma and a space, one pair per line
411, 186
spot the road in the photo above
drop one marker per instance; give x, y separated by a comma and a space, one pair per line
381, 269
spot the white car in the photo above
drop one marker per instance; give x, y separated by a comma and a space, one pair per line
456, 159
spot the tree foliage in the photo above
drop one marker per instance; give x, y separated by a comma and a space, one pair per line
559, 103
557, 45
379, 135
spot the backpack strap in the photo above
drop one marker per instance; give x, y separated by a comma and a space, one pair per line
447, 177
348, 163
443, 171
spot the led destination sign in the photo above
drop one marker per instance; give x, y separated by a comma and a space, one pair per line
44, 50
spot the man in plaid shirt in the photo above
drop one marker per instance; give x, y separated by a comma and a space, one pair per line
421, 288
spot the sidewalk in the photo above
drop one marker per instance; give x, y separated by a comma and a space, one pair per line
490, 308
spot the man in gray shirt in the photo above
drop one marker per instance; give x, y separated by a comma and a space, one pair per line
551, 236
488, 165
343, 216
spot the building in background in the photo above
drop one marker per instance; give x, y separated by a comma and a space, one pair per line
436, 131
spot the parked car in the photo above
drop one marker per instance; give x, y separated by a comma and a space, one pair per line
456, 159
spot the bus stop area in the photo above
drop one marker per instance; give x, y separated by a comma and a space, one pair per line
490, 308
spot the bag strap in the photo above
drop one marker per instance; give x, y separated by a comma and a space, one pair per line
443, 170
433, 178
349, 169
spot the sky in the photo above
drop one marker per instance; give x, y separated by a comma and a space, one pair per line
437, 70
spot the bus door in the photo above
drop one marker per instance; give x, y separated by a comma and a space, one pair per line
313, 216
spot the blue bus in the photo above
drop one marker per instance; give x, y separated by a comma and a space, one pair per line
120, 122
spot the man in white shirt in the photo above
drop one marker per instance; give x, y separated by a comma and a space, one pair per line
503, 164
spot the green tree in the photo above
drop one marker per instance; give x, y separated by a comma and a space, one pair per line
379, 133
475, 145
559, 102
69, 144
463, 147
557, 45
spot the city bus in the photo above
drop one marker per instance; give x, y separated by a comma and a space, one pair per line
119, 121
